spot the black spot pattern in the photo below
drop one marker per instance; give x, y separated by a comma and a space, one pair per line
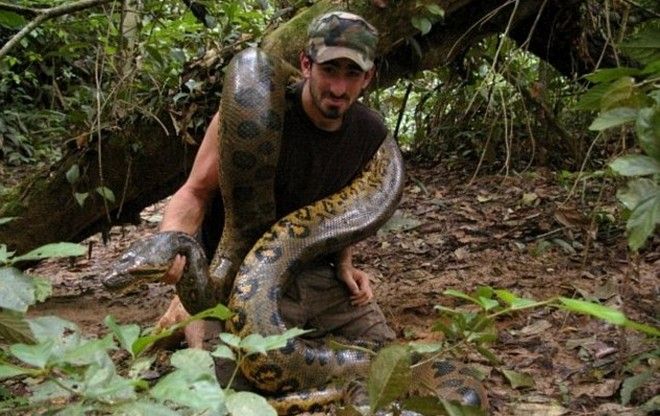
442, 368
272, 120
268, 254
248, 97
248, 130
266, 148
243, 160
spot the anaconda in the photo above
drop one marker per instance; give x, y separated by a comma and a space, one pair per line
251, 113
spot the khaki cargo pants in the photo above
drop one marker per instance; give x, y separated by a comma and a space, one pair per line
316, 299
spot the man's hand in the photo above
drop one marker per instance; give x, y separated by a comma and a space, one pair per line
358, 283
175, 271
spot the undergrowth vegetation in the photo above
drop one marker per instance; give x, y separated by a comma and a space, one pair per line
498, 107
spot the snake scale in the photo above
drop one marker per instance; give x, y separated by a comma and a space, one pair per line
258, 253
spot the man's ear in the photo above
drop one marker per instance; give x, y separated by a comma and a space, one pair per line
305, 64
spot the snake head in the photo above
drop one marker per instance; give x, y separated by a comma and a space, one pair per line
146, 260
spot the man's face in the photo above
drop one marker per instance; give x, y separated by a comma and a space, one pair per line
334, 85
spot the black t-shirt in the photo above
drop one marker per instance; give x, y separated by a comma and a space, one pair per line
313, 163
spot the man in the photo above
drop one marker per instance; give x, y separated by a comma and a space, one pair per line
328, 138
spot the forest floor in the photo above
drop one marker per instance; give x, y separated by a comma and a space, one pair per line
525, 233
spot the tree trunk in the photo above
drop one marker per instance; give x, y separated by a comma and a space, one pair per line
145, 162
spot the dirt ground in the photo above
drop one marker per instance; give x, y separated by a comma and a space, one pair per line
524, 233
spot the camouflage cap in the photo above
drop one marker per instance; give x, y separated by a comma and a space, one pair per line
342, 35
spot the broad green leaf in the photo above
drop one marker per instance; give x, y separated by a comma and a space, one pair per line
422, 24
643, 221
230, 339
9, 370
435, 9
87, 352
425, 347
425, 405
611, 74
11, 20
514, 301
591, 100
43, 288
106, 193
635, 165
4, 254
622, 93
5, 220
103, 383
219, 311
14, 327
518, 379
143, 342
245, 403
645, 45
16, 290
194, 361
487, 303
80, 197
647, 127
144, 407
614, 117
605, 313
36, 355
636, 191
125, 334
223, 351
389, 376
197, 394
257, 344
73, 174
53, 250
53, 328
631, 384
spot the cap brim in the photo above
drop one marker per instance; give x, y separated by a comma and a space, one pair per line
335, 52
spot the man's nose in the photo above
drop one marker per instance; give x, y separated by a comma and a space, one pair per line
339, 86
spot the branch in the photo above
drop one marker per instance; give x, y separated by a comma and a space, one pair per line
42, 15
22, 10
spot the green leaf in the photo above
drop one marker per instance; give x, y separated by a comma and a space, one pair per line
219, 311
622, 93
87, 352
590, 100
643, 221
488, 304
422, 24
459, 294
645, 45
11, 20
43, 288
436, 10
631, 384
16, 290
194, 361
14, 327
36, 355
425, 347
425, 405
517, 379
53, 250
612, 118
80, 197
605, 313
5, 220
144, 407
635, 165
647, 128
186, 390
223, 351
257, 344
106, 193
9, 370
73, 174
46, 328
389, 376
611, 74
125, 334
636, 191
230, 339
245, 403
514, 301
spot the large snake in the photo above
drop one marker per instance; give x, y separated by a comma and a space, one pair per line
252, 112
